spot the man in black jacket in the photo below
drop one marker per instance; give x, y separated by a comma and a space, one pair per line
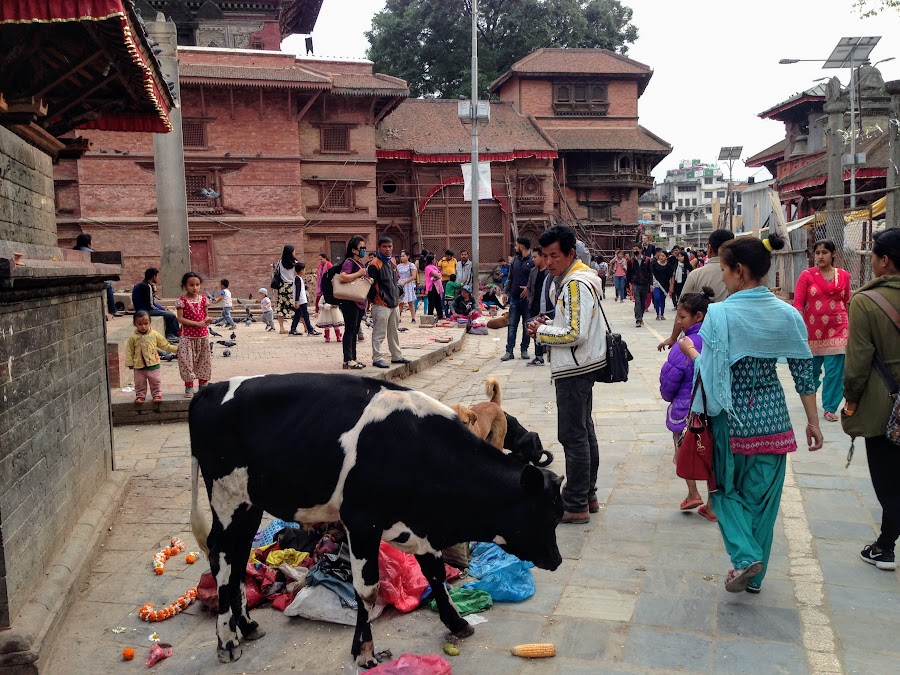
640, 276
535, 289
385, 314
142, 297
517, 291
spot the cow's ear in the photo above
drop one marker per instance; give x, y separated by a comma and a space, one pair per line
532, 480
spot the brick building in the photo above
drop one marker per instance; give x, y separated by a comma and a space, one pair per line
285, 145
586, 100
420, 148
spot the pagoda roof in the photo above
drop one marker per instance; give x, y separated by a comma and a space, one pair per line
429, 130
608, 138
812, 95
876, 147
773, 152
557, 62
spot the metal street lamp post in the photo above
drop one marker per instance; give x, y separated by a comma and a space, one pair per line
730, 153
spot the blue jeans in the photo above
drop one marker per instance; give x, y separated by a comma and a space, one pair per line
518, 311
620, 287
659, 301
226, 314
170, 319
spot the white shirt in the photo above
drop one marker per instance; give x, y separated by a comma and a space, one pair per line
300, 291
265, 303
226, 297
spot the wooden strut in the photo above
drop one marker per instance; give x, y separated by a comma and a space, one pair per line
73, 71
97, 87
308, 105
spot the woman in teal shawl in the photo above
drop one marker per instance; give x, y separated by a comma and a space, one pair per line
743, 339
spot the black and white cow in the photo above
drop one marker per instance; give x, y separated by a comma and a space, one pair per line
389, 462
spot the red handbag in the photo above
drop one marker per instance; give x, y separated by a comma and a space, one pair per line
695, 448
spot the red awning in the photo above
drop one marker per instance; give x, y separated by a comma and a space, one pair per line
111, 14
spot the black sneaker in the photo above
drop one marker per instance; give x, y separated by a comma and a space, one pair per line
508, 356
536, 361
883, 560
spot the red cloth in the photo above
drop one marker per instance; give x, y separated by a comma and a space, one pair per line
823, 305
58, 10
402, 581
193, 311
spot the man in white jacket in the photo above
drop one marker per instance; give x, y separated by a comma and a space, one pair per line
577, 343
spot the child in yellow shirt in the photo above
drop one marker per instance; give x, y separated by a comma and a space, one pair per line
141, 355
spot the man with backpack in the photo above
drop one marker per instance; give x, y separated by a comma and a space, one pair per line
385, 312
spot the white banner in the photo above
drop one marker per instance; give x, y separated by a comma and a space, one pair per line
484, 181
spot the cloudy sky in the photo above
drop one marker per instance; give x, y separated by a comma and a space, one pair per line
714, 68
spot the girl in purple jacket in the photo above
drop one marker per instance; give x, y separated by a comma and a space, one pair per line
676, 381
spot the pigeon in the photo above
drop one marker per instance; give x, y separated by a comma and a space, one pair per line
210, 347
214, 333
226, 343
248, 321
233, 336
226, 353
206, 192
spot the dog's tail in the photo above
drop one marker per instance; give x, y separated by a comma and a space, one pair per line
492, 390
199, 526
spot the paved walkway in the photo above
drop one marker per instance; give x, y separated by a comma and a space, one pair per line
258, 351
640, 589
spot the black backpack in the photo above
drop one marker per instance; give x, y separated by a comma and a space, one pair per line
328, 284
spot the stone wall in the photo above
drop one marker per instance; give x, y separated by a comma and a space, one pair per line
55, 449
27, 212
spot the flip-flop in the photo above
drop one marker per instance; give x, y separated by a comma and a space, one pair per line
737, 581
689, 504
711, 517
830, 416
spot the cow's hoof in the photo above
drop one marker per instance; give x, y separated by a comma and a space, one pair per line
366, 662
229, 654
464, 631
255, 634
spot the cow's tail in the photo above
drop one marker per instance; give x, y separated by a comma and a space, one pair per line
199, 526
492, 390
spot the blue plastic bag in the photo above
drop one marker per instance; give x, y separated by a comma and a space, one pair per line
502, 575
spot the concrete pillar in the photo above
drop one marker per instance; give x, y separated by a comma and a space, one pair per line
835, 110
892, 217
168, 159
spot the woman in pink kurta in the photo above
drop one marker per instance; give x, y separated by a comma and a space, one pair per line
822, 295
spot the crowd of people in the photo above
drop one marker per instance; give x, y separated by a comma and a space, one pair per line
728, 334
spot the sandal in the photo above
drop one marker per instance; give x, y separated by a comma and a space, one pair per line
356, 365
706, 513
139, 399
157, 399
189, 392
737, 581
689, 504
830, 416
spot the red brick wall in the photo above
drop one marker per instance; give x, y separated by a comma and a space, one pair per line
535, 97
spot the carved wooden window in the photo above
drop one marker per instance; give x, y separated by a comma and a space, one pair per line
599, 212
335, 139
530, 194
337, 196
195, 183
194, 134
580, 98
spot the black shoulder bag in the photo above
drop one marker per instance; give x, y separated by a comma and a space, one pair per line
617, 355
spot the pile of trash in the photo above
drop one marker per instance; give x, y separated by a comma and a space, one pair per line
305, 571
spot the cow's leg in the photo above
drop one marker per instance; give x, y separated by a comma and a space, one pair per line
433, 569
219, 541
364, 542
244, 527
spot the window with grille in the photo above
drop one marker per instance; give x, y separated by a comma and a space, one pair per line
581, 97
336, 197
194, 183
335, 139
194, 133
600, 212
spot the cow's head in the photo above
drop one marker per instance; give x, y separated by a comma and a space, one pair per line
534, 535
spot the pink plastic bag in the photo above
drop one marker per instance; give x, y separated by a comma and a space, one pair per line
415, 664
402, 581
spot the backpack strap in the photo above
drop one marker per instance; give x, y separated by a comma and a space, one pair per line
885, 306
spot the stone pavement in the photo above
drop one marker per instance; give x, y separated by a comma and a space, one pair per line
640, 589
258, 351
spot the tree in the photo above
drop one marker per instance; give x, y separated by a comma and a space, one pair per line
428, 42
869, 8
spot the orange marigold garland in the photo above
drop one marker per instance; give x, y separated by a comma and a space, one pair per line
147, 613
175, 547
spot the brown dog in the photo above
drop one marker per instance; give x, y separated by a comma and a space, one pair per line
486, 420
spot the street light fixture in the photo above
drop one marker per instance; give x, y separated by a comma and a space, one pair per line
730, 153
848, 52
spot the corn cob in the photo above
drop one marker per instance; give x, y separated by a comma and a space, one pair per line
534, 651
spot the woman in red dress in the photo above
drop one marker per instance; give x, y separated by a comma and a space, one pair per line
822, 295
